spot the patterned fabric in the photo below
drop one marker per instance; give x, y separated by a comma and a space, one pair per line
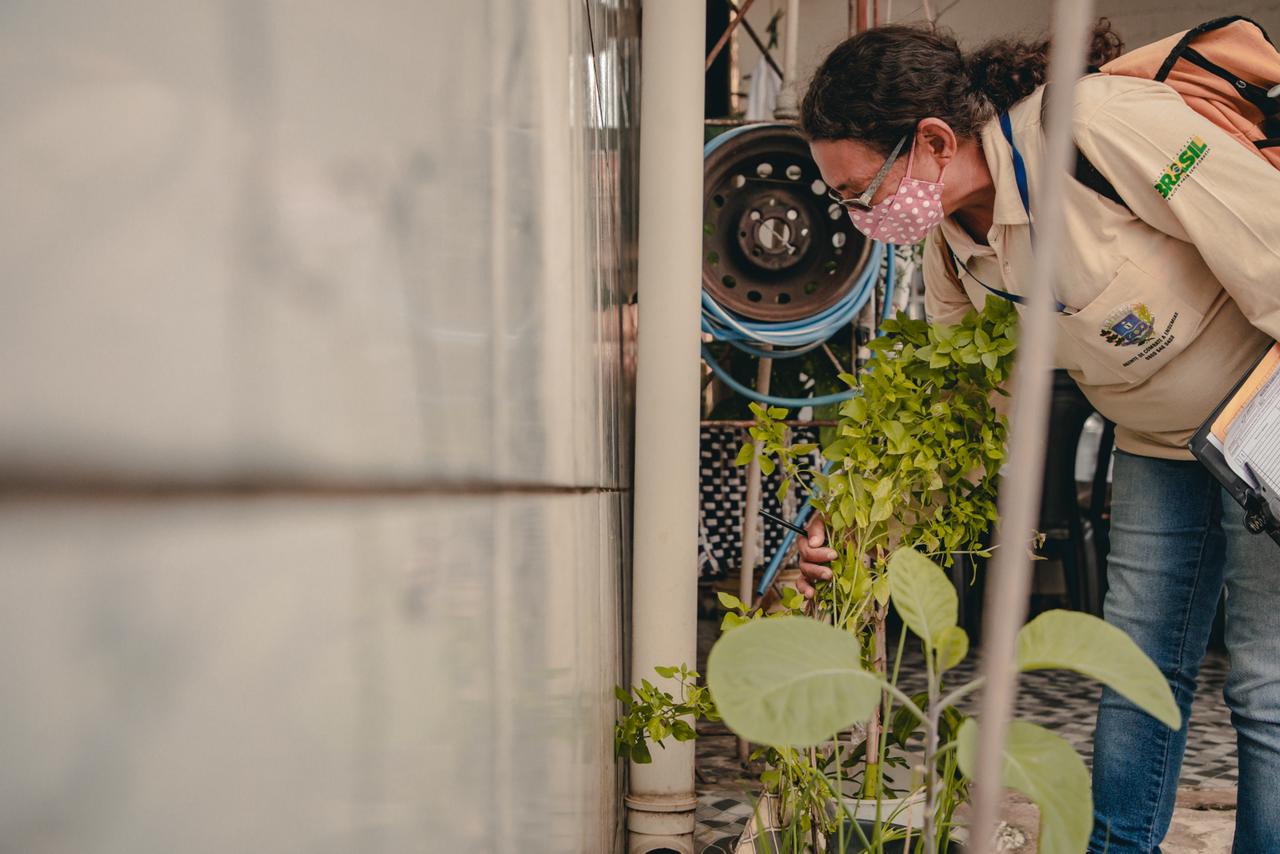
906, 216
723, 492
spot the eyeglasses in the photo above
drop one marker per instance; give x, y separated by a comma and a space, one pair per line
863, 202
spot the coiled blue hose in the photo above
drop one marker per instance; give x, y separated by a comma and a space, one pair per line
768, 399
805, 335
812, 330
789, 339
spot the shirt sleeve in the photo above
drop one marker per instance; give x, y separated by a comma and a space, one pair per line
1190, 179
945, 300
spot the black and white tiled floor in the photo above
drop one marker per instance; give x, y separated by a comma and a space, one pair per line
1067, 704
721, 819
1060, 701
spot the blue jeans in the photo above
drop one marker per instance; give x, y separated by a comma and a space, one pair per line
1176, 539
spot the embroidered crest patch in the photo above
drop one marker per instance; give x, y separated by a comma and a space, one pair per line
1128, 325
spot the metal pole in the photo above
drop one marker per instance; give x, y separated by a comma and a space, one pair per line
751, 508
750, 514
755, 37
724, 37
1009, 579
661, 800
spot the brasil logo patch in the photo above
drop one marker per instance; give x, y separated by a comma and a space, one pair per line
1129, 324
1188, 159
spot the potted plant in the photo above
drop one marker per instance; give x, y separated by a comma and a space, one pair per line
791, 682
913, 461
912, 471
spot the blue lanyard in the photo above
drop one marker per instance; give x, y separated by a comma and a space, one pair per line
1020, 176
1019, 169
1020, 300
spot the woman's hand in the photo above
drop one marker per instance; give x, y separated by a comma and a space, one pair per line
813, 556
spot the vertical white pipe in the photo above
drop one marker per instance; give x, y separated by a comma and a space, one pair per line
661, 799
1009, 581
789, 97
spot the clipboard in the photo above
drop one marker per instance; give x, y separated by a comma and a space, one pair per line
1262, 509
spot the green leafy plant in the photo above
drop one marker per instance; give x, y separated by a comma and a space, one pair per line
913, 468
796, 682
651, 714
914, 461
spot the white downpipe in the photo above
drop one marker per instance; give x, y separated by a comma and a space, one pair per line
661, 799
1009, 581
789, 97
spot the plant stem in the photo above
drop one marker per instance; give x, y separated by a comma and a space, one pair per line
930, 776
815, 805
871, 782
839, 789
844, 808
907, 702
888, 717
930, 753
960, 693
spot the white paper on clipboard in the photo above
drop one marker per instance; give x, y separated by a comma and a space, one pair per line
1247, 431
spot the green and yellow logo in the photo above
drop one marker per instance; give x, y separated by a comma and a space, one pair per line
1188, 159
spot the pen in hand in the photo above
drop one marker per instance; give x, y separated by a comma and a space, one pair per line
784, 523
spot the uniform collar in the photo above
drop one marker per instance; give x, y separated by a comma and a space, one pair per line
1008, 211
1008, 204
959, 241
1024, 117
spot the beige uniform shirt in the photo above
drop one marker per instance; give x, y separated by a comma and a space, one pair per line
1174, 299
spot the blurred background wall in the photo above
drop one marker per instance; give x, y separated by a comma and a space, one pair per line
825, 23
314, 423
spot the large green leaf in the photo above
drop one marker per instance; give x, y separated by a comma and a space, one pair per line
1086, 644
1044, 767
952, 647
790, 681
922, 593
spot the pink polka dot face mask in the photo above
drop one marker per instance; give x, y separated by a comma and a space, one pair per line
907, 215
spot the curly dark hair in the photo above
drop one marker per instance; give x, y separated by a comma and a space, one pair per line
875, 86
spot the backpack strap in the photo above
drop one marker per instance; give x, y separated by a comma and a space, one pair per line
1084, 171
1254, 94
1195, 32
